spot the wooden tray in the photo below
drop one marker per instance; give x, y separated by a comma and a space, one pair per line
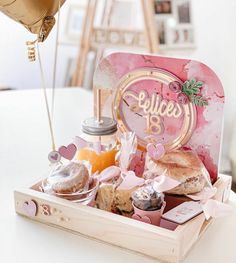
157, 242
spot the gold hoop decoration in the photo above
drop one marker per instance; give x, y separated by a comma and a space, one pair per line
143, 103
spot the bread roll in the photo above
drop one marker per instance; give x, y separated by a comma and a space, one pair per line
183, 166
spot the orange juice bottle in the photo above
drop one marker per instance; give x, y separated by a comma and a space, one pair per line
101, 140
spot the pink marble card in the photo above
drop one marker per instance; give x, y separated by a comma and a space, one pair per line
176, 102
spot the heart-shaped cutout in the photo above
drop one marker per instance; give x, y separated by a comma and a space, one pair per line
30, 208
144, 219
156, 151
54, 157
68, 152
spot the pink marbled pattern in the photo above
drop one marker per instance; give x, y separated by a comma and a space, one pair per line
206, 138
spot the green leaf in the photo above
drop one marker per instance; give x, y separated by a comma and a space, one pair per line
191, 87
192, 82
199, 84
195, 90
199, 100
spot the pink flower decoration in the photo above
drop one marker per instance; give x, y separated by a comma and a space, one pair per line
175, 87
182, 98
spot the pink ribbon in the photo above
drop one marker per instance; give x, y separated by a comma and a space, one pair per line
215, 209
164, 183
161, 183
130, 181
211, 208
109, 173
206, 194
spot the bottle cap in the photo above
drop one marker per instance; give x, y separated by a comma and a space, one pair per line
106, 126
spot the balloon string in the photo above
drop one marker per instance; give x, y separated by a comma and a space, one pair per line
55, 61
43, 83
46, 98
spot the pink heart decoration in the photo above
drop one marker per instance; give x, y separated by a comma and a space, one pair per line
30, 208
156, 151
68, 152
130, 181
144, 219
54, 157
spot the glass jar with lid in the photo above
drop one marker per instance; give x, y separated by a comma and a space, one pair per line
101, 146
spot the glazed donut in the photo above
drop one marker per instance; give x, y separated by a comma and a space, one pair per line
70, 179
183, 166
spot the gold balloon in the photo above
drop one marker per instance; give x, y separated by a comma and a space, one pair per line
36, 15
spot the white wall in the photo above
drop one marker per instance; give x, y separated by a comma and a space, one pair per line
215, 30
215, 23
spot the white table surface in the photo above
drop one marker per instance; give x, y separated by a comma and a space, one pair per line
24, 144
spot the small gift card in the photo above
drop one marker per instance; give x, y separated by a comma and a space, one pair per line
183, 212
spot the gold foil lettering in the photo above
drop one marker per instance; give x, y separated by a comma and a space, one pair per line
154, 108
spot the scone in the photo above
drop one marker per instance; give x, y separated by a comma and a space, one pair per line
123, 201
183, 166
105, 197
109, 179
112, 198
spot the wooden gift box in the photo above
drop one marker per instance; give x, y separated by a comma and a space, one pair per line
195, 128
157, 242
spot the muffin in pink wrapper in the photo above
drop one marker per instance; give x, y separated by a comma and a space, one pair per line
148, 205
